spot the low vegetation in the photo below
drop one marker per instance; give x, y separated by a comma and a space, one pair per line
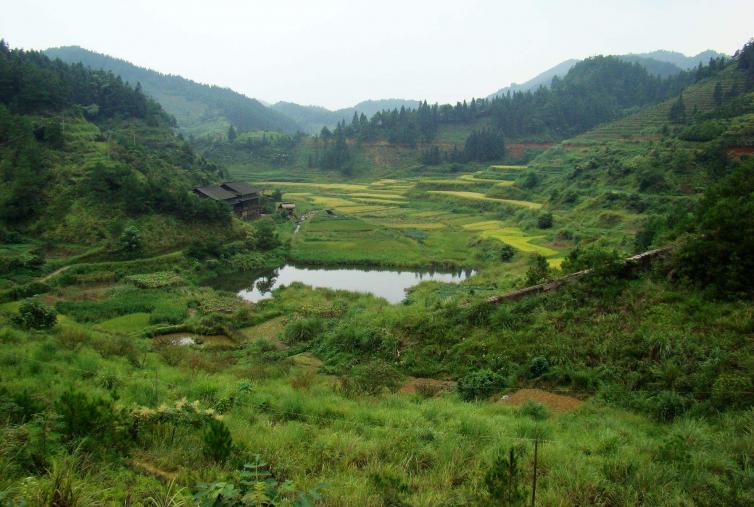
129, 376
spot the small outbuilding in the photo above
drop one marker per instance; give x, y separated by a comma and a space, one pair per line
245, 200
287, 208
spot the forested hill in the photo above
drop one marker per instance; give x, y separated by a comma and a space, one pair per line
313, 118
84, 156
594, 91
198, 108
660, 63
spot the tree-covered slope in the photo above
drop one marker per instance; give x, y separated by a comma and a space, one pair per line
661, 63
199, 109
84, 155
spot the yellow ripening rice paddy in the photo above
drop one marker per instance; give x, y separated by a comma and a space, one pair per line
448, 181
429, 213
515, 237
484, 226
332, 202
372, 200
356, 209
481, 197
428, 226
507, 167
296, 195
327, 186
480, 179
375, 195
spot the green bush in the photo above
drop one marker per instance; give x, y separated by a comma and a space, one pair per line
665, 406
505, 480
480, 384
19, 407
82, 417
545, 221
130, 242
24, 291
507, 253
719, 255
303, 330
371, 379
533, 409
155, 280
218, 443
539, 270
702, 131
538, 366
36, 315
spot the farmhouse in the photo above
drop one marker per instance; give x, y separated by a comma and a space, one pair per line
245, 200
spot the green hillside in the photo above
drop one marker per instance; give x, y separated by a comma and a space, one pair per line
85, 155
550, 367
660, 63
199, 109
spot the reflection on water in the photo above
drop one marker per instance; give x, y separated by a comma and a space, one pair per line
390, 285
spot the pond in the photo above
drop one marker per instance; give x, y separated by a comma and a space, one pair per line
384, 283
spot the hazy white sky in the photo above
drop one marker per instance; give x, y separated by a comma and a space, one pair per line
338, 52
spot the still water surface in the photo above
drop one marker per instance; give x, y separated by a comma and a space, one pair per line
387, 284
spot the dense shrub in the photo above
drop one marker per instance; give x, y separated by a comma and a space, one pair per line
24, 291
533, 409
702, 131
303, 330
36, 315
480, 384
265, 236
371, 378
665, 406
505, 478
719, 254
155, 280
538, 366
545, 221
130, 242
539, 270
82, 417
507, 253
19, 407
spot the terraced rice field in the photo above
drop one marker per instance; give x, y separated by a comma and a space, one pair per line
384, 222
481, 197
513, 236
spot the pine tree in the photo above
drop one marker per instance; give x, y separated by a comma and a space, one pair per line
718, 94
232, 134
678, 111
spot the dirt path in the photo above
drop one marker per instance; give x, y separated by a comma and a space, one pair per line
557, 403
54, 273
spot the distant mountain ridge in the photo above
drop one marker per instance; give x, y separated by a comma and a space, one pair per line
661, 62
313, 118
199, 109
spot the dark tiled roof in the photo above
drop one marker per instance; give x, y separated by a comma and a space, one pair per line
239, 187
216, 192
